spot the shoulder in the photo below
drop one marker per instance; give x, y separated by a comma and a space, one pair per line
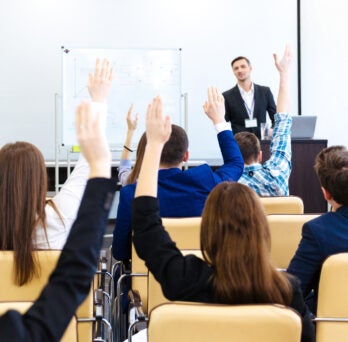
229, 92
262, 88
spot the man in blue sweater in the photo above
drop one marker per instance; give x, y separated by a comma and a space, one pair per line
183, 193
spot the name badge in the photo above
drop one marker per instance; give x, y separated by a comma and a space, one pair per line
249, 123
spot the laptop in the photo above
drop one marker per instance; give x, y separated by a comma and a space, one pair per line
303, 127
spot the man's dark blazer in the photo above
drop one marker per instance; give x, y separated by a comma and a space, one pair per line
321, 237
236, 112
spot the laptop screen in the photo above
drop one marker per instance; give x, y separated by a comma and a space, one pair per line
303, 127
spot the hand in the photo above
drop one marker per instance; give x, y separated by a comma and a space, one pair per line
158, 128
283, 65
99, 83
132, 123
90, 130
214, 107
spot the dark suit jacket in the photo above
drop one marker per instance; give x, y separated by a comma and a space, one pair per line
187, 278
181, 193
321, 237
236, 112
70, 282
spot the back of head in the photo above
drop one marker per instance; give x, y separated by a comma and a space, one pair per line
331, 166
235, 240
249, 146
23, 188
175, 148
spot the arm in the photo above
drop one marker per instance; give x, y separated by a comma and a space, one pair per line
279, 163
307, 261
70, 281
174, 272
233, 165
69, 197
125, 163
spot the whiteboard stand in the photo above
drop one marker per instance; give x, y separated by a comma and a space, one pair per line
185, 97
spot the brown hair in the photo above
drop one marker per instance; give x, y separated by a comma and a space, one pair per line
235, 241
240, 58
249, 146
175, 148
331, 166
134, 174
23, 188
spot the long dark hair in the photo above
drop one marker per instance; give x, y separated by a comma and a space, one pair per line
23, 189
235, 241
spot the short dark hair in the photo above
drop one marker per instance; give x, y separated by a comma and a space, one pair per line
238, 59
249, 146
175, 148
331, 166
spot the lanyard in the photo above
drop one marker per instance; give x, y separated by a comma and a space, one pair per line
251, 109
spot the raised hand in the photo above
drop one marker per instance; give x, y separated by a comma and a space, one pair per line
90, 130
99, 83
158, 127
132, 123
214, 107
284, 64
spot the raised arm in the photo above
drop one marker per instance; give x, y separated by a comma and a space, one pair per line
70, 282
283, 66
158, 130
233, 165
125, 162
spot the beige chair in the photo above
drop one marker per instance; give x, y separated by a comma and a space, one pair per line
70, 334
184, 231
282, 205
10, 292
196, 322
286, 231
332, 311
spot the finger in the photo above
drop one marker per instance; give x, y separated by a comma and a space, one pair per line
276, 60
129, 113
104, 73
111, 75
215, 94
210, 94
97, 68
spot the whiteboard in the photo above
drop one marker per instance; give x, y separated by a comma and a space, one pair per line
139, 76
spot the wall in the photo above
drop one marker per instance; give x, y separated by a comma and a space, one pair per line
324, 65
210, 34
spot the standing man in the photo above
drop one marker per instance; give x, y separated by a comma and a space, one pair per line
246, 103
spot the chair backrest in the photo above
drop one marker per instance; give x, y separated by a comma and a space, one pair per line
286, 231
333, 300
196, 322
283, 205
184, 231
11, 292
70, 334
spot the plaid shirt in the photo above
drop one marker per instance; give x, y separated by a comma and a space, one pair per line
272, 177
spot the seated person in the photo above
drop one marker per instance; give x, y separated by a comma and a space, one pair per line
235, 243
182, 193
41, 223
70, 282
272, 177
328, 233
